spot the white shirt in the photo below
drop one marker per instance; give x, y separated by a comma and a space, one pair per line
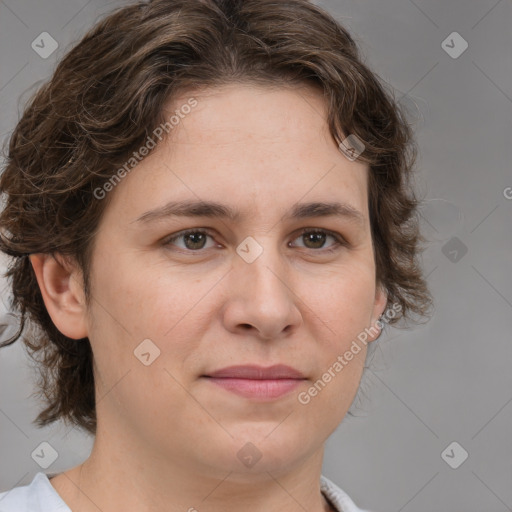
40, 496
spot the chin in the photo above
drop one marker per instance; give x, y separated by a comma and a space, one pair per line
268, 448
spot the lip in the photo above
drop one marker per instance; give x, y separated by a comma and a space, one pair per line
257, 382
254, 372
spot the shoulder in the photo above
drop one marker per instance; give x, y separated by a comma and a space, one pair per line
38, 496
339, 498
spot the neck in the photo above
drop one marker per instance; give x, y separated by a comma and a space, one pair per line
119, 477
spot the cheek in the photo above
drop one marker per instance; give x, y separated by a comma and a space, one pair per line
132, 304
340, 309
129, 308
344, 301
138, 297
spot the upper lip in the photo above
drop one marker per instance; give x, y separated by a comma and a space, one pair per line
278, 371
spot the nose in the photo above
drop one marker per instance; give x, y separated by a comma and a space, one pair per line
261, 298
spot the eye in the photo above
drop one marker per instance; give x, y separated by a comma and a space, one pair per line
194, 239
315, 239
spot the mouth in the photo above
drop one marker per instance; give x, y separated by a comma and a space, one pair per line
257, 382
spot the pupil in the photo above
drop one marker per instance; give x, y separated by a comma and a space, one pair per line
317, 237
195, 235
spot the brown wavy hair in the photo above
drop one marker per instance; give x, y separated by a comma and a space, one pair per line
106, 97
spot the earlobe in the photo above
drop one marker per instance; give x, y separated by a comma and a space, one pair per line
381, 300
61, 286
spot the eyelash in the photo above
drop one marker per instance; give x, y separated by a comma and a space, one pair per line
340, 241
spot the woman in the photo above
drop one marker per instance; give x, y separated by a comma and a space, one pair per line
210, 216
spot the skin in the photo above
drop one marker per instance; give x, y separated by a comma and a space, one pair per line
167, 438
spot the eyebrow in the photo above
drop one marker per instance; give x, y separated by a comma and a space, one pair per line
212, 209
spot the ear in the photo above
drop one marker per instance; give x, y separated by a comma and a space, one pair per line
60, 282
379, 306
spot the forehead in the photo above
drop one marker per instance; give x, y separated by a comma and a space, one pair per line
274, 117
255, 147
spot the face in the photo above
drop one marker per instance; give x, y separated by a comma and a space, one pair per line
266, 287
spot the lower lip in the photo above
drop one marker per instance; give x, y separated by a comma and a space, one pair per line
259, 389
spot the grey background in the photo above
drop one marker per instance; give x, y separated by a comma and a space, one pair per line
448, 380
